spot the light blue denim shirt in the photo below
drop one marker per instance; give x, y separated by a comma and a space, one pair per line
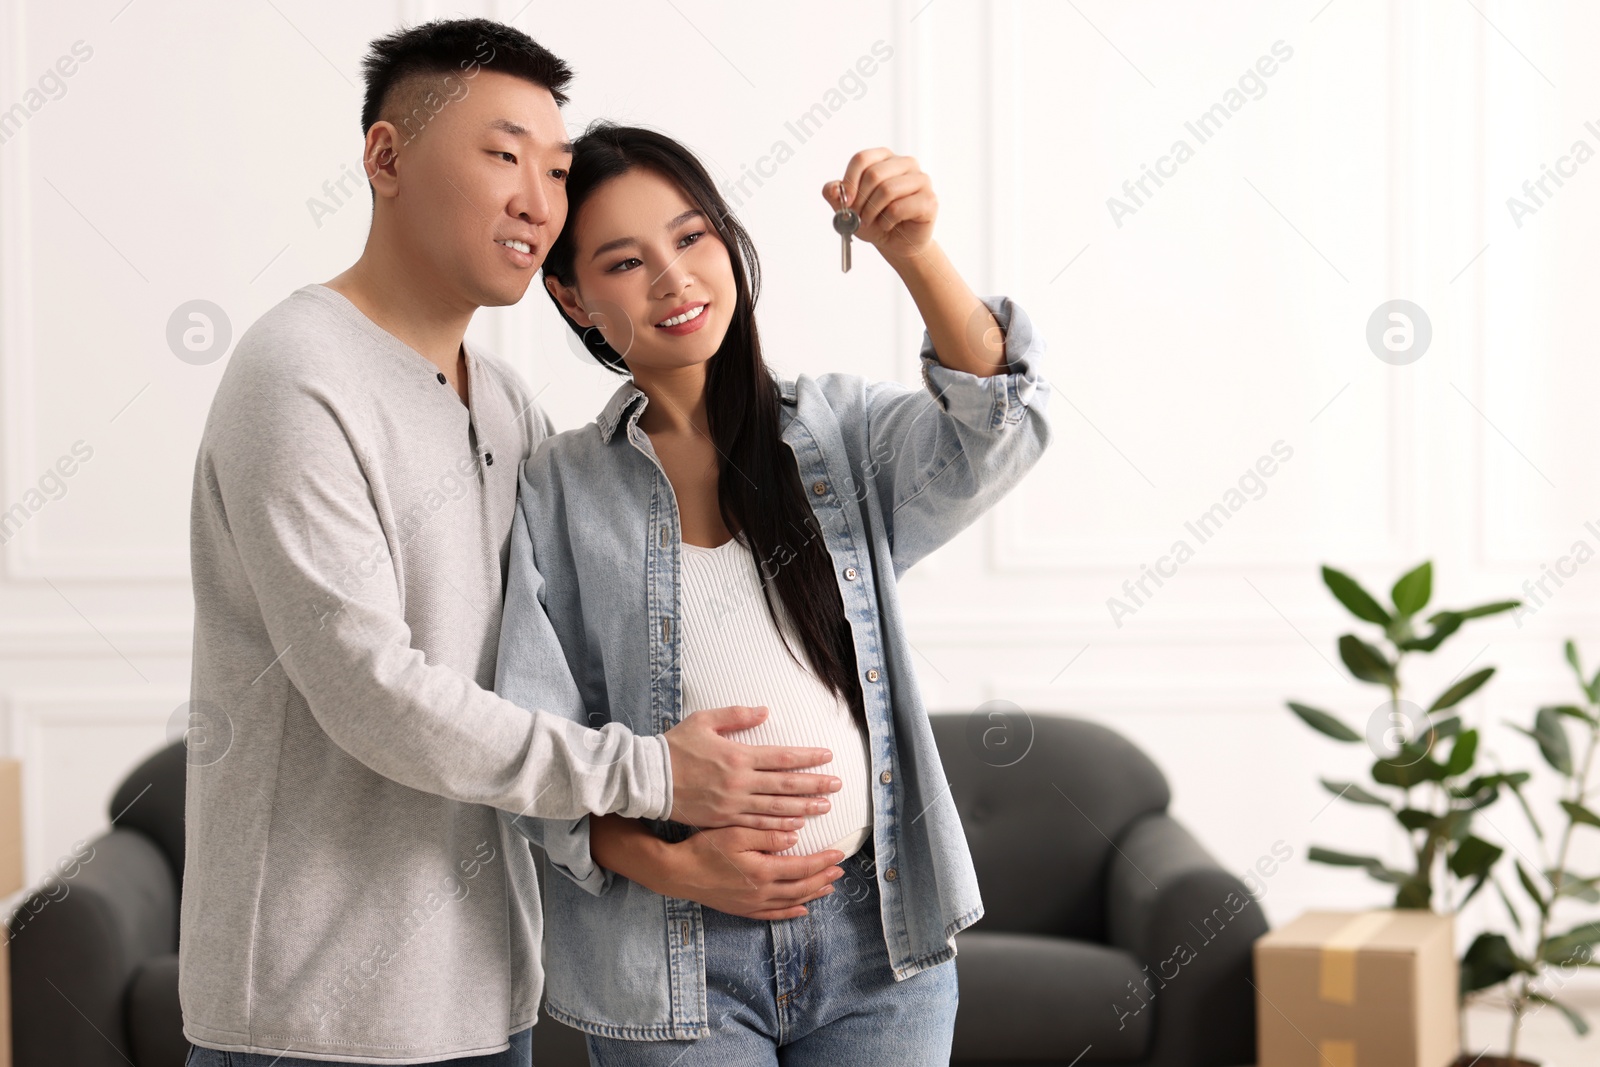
589, 631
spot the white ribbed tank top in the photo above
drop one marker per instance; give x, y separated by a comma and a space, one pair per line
733, 654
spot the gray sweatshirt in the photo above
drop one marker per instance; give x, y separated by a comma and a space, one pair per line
350, 891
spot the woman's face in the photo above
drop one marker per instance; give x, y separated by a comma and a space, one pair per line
651, 273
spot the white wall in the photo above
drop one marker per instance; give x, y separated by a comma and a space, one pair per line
1227, 313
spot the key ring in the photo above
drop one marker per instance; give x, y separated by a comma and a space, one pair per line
844, 199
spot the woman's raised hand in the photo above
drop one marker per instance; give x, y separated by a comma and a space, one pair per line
894, 198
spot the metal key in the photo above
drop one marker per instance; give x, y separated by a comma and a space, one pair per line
845, 223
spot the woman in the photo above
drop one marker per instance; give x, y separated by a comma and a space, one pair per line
719, 536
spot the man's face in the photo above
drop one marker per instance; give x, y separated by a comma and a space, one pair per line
486, 164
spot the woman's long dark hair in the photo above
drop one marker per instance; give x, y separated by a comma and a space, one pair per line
758, 485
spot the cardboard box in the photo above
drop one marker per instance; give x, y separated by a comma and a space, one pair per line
1358, 989
11, 875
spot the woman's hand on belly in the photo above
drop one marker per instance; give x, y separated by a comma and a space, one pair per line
732, 869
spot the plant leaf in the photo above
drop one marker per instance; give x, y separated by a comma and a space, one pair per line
1579, 1023
1488, 609
1482, 878
1552, 738
1318, 854
1487, 962
1410, 594
1529, 888
1444, 623
1373, 865
1514, 783
1580, 814
1415, 819
1591, 689
1572, 712
1507, 778
1354, 793
1474, 857
1408, 770
1447, 727
1454, 825
1462, 754
1352, 596
1561, 948
1575, 885
1516, 920
1489, 781
1322, 722
1461, 690
1485, 788
1366, 662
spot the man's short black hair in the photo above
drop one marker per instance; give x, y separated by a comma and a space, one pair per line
409, 63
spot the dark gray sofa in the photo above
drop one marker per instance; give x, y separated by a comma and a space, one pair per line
1085, 880
94, 969
94, 972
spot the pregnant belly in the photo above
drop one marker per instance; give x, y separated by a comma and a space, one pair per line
848, 822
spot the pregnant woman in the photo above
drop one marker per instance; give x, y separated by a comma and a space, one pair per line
722, 536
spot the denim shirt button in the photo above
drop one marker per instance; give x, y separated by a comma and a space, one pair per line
849, 574
885, 777
872, 674
819, 488
890, 874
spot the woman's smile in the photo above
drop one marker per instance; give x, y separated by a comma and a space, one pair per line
686, 318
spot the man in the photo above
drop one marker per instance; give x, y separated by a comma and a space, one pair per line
352, 893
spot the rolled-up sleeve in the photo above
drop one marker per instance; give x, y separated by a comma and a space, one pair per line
942, 455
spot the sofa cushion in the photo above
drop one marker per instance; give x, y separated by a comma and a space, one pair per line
1040, 813
155, 1019
150, 799
74, 953
1029, 998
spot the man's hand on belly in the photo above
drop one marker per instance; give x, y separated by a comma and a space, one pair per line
718, 782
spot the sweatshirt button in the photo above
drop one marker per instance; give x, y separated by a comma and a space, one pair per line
441, 377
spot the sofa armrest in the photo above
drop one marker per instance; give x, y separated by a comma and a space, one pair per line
1191, 924
76, 943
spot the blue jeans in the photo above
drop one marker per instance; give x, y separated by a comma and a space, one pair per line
518, 1055
810, 991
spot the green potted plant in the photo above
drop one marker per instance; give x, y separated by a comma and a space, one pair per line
1492, 961
1432, 799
